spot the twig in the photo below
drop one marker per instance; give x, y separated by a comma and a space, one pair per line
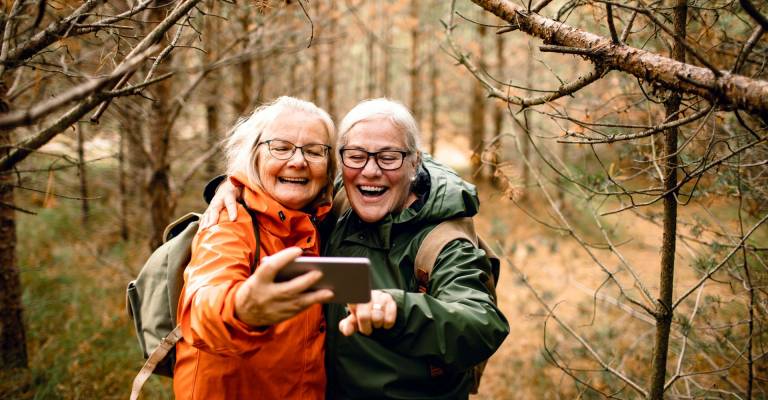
611, 26
30, 115
719, 265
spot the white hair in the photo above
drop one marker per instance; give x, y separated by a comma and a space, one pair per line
390, 110
241, 144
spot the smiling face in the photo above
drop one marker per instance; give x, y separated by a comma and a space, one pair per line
294, 182
373, 192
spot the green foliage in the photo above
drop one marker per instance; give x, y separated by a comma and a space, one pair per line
80, 339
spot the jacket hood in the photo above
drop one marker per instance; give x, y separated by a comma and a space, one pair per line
449, 196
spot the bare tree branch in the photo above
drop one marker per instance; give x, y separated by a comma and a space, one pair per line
716, 268
729, 90
754, 13
31, 115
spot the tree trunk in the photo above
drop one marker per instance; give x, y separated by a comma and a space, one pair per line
315, 95
330, 84
136, 162
246, 75
386, 53
526, 143
261, 86
477, 112
498, 113
414, 70
158, 187
81, 172
434, 76
13, 343
664, 312
122, 187
292, 86
211, 100
371, 47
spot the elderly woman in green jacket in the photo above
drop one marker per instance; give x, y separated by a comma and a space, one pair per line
404, 344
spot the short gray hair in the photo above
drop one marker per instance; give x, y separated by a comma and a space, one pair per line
390, 110
242, 141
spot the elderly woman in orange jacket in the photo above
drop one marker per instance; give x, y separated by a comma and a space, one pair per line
245, 336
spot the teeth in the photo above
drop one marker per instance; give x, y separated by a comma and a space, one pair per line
372, 188
294, 180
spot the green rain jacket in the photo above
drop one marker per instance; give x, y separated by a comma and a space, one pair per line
439, 335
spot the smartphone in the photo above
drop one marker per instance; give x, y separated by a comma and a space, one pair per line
348, 277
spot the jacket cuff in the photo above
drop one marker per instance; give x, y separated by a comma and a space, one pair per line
211, 187
230, 318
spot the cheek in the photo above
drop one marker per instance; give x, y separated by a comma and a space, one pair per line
348, 175
320, 174
268, 171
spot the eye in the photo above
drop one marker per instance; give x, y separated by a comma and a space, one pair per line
355, 155
315, 151
280, 147
389, 158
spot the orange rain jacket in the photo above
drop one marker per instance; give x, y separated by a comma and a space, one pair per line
221, 357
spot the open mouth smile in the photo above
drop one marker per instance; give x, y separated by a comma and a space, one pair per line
371, 191
296, 181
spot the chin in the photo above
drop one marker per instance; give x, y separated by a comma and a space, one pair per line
369, 216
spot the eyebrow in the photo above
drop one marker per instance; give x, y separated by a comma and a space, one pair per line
386, 148
291, 142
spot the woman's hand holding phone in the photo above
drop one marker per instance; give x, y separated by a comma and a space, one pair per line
260, 301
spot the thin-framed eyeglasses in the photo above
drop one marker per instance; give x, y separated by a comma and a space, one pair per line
387, 160
284, 150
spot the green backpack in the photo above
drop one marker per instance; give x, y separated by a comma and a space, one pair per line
153, 297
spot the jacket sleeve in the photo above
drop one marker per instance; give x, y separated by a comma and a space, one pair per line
220, 263
457, 322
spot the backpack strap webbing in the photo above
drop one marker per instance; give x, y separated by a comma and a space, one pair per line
444, 233
166, 345
255, 224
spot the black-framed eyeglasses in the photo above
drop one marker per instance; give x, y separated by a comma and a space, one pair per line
387, 160
284, 150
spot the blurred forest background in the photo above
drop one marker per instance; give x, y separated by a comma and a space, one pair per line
619, 148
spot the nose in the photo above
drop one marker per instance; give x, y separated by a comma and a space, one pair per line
297, 159
371, 168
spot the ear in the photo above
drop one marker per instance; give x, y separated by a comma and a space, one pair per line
417, 160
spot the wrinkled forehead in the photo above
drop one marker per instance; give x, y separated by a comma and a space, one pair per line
375, 134
295, 126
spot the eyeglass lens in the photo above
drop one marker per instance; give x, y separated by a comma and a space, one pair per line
284, 150
386, 160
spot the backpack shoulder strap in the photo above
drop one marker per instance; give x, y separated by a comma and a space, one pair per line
174, 228
444, 233
166, 345
255, 223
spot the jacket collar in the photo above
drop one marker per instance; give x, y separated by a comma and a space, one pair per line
292, 227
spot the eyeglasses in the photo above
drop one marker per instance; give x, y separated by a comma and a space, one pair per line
284, 150
387, 160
